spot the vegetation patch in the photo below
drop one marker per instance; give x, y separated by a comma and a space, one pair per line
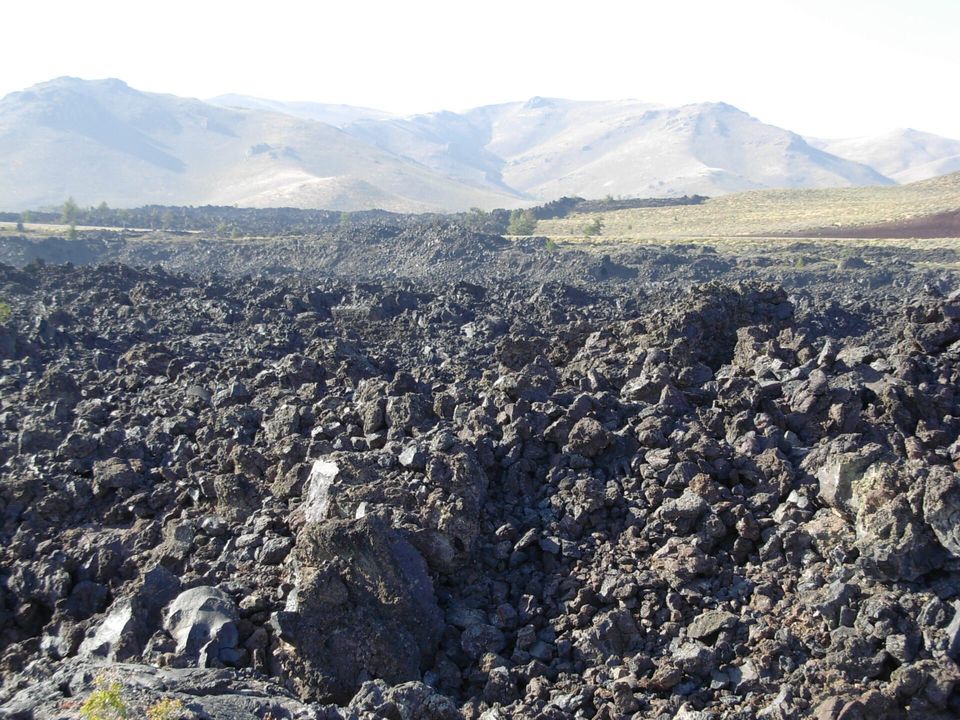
766, 213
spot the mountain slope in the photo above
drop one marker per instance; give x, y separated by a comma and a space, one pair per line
547, 147
331, 114
102, 140
905, 155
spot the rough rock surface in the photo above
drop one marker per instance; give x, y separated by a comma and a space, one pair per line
315, 497
203, 623
363, 605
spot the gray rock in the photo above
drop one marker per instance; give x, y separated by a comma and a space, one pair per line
86, 598
203, 623
320, 490
119, 636
404, 412
588, 438
941, 507
406, 701
891, 537
274, 550
833, 599
285, 421
482, 638
695, 658
363, 605
159, 587
113, 474
710, 623
840, 472
413, 458
953, 633
613, 633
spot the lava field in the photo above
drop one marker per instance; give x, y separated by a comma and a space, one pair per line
469, 478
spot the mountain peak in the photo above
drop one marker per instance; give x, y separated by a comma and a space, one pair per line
539, 102
75, 83
719, 108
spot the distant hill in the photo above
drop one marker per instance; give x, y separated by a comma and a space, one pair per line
904, 155
706, 149
104, 141
547, 148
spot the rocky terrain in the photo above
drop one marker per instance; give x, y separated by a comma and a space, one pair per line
419, 473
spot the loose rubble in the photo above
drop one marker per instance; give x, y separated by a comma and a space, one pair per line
314, 497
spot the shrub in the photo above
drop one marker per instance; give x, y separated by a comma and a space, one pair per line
593, 228
104, 703
5, 312
476, 218
522, 222
166, 709
69, 212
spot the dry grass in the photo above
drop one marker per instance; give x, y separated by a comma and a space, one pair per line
737, 245
49, 229
767, 212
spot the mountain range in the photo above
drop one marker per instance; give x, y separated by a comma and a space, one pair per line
102, 140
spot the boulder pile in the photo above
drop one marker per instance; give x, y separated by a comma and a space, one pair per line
305, 497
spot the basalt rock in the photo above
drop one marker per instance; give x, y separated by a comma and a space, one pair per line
363, 605
435, 474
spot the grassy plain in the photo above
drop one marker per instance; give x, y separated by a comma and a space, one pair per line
765, 213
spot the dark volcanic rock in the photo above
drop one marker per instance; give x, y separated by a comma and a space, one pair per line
364, 604
547, 495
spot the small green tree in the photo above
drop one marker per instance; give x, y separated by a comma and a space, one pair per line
101, 212
69, 212
72, 232
522, 222
344, 220
593, 228
476, 218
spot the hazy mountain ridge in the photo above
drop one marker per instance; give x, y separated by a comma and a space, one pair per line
102, 140
905, 154
329, 113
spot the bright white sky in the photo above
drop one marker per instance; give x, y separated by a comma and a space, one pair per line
828, 68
